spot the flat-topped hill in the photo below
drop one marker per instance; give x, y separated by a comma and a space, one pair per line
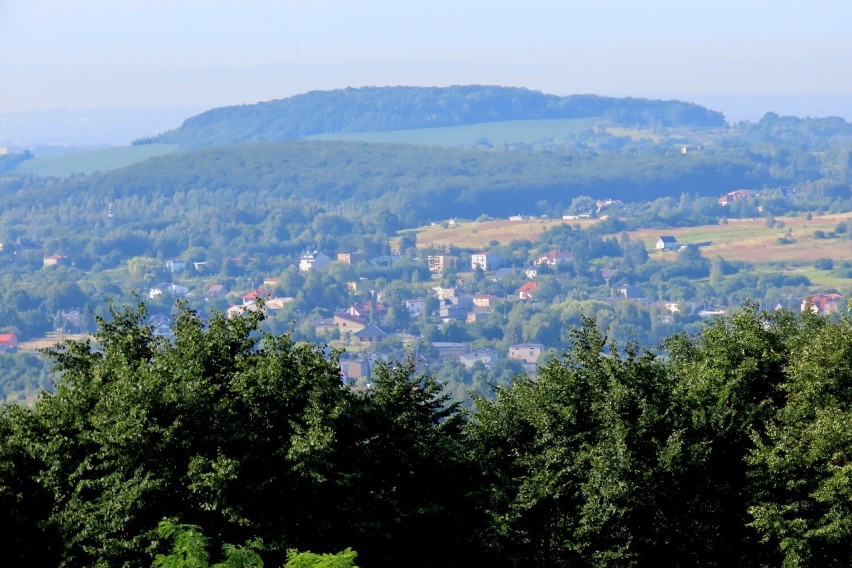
381, 109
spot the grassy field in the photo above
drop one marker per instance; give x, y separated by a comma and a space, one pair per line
477, 234
514, 132
494, 133
48, 341
821, 278
92, 160
752, 241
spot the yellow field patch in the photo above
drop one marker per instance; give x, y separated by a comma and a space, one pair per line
49, 341
752, 241
477, 234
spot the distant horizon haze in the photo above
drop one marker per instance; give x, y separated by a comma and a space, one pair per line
119, 126
741, 58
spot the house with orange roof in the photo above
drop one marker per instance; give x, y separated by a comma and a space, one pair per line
822, 303
8, 342
527, 290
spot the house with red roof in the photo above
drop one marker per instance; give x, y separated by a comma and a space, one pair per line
527, 290
8, 342
822, 303
735, 195
554, 258
251, 297
364, 309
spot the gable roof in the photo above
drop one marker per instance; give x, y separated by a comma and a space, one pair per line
557, 254
7, 337
527, 346
216, 289
364, 308
253, 295
371, 330
349, 317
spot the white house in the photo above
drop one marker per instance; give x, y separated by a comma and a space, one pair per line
485, 261
667, 242
176, 290
415, 307
311, 260
484, 356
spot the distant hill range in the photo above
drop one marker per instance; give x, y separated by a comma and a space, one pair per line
382, 109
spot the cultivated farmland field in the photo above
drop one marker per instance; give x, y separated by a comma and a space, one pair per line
747, 240
478, 234
50, 340
791, 240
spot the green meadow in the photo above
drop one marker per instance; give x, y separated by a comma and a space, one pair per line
484, 133
90, 161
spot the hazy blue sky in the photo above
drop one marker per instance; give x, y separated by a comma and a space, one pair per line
206, 53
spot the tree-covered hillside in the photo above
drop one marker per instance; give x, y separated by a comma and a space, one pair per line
372, 109
417, 184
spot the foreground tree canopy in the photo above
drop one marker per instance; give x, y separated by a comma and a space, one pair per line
732, 448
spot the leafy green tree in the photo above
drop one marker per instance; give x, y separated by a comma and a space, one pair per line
801, 463
728, 380
145, 270
343, 559
25, 538
570, 458
225, 427
582, 204
190, 550
413, 477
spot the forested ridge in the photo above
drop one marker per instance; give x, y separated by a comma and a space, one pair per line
727, 448
372, 109
416, 183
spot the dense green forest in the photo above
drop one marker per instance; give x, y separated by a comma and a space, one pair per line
375, 109
728, 448
417, 184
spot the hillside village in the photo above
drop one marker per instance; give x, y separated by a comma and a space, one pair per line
467, 313
651, 227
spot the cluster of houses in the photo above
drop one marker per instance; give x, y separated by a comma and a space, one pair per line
823, 304
357, 323
735, 195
